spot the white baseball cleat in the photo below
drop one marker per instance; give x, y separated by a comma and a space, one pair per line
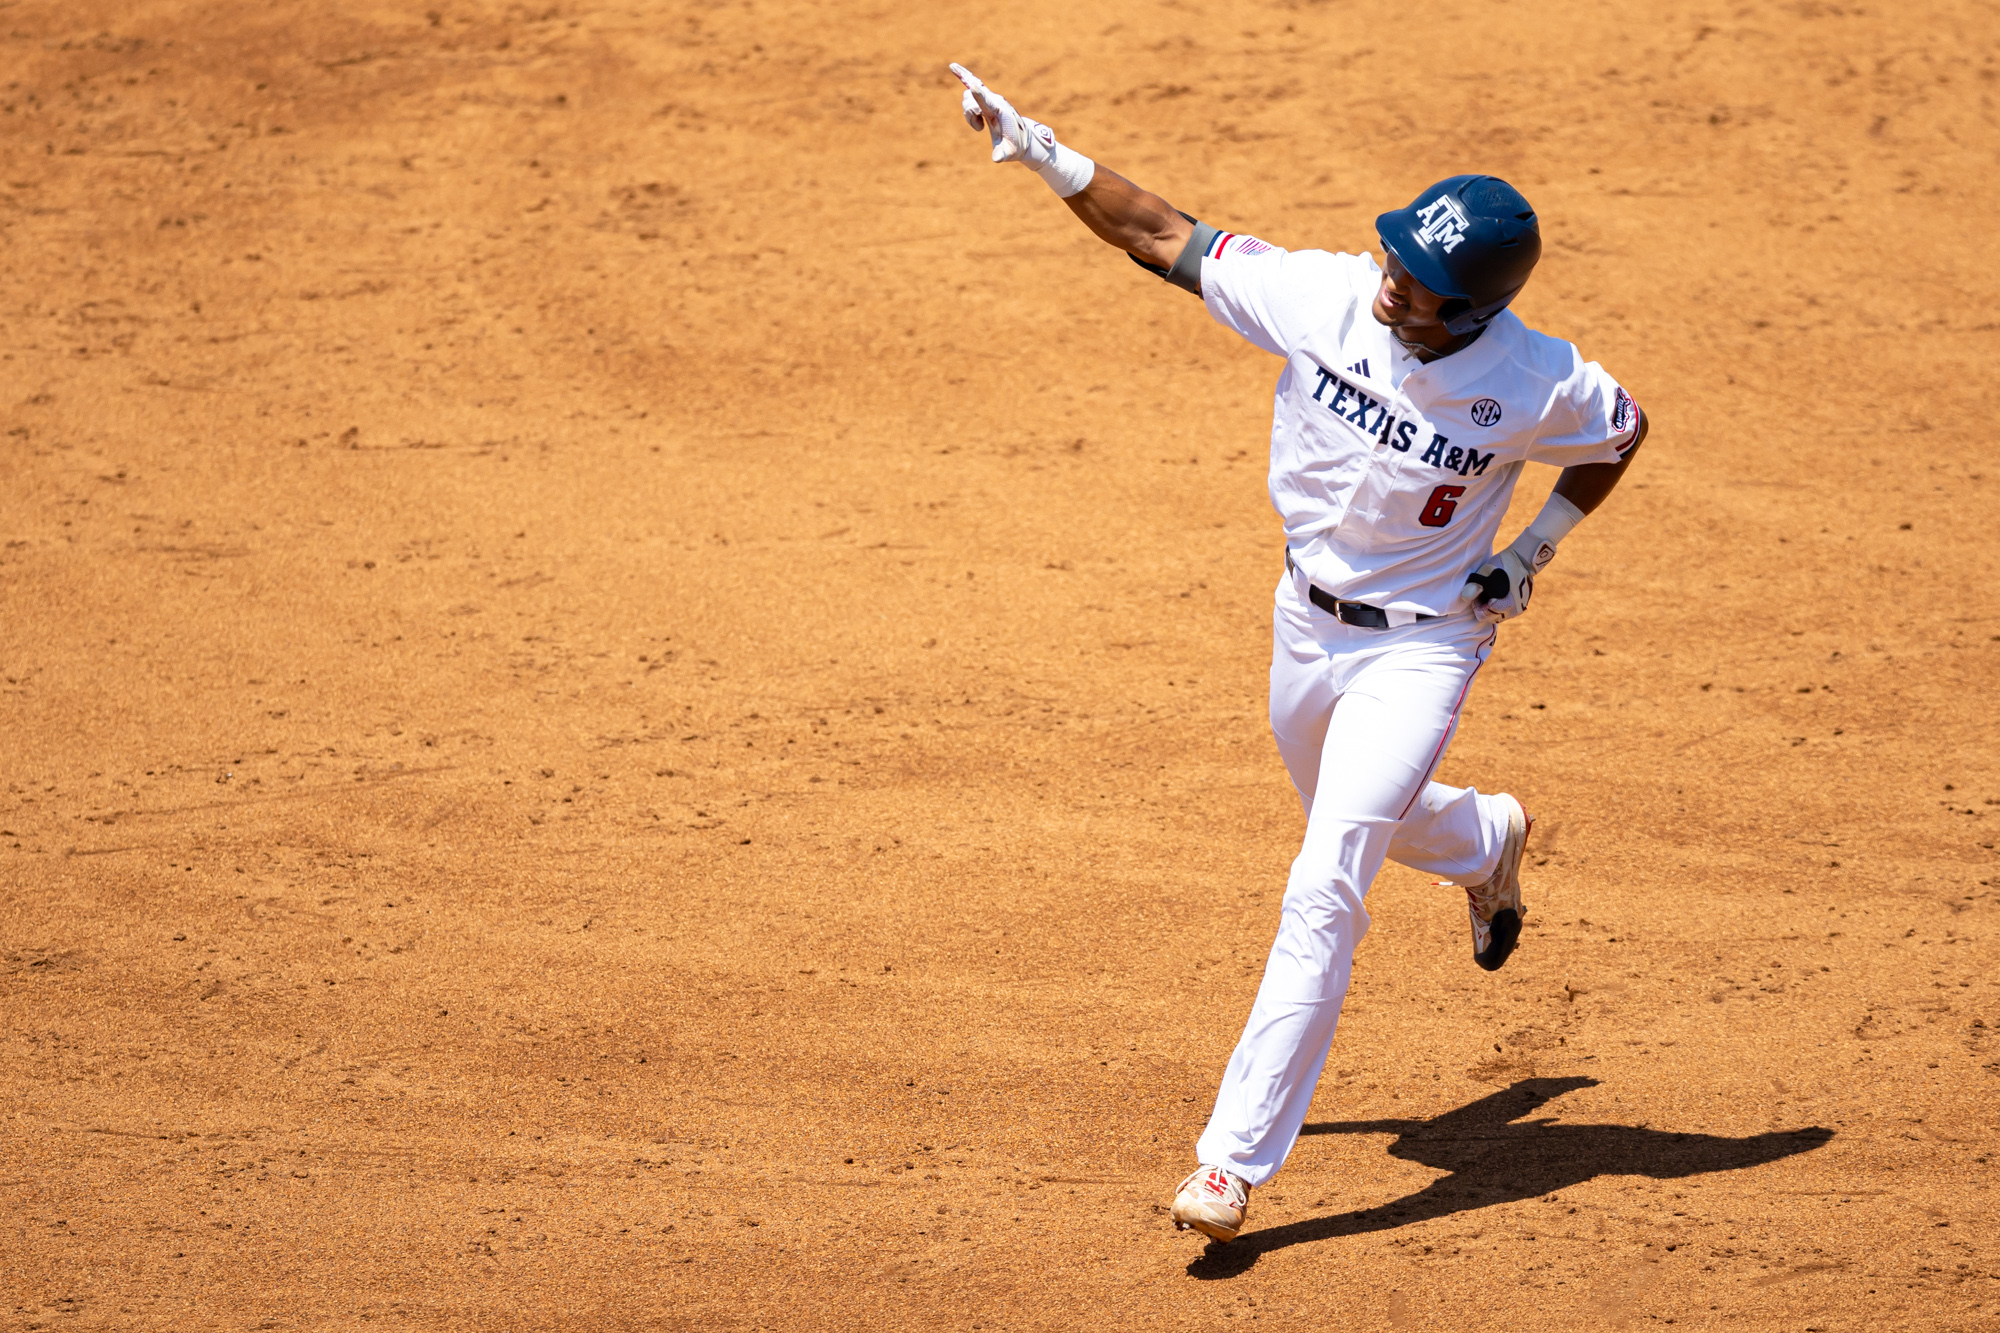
1495, 906
1212, 1202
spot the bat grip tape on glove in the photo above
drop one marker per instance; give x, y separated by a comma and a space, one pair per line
1493, 586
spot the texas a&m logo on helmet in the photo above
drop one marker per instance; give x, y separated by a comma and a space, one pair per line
1444, 223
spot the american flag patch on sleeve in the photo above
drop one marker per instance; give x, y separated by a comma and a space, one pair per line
1228, 241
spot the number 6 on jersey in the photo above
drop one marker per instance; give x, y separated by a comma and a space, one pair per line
1441, 506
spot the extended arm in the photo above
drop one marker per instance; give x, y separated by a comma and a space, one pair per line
1135, 220
1117, 212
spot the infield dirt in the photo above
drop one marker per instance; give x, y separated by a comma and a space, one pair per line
632, 685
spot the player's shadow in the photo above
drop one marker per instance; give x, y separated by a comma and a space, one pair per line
1494, 1155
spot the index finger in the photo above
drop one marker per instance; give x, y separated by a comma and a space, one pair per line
967, 77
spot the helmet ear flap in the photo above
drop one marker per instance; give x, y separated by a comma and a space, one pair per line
1461, 318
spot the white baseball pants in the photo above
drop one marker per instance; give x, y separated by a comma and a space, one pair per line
1361, 717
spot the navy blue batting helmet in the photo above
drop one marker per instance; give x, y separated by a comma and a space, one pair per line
1472, 239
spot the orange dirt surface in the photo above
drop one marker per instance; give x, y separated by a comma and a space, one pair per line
632, 684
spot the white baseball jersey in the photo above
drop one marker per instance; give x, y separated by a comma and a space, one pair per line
1391, 474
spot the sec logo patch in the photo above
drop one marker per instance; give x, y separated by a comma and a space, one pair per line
1485, 412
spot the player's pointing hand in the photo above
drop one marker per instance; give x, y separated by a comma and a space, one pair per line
1013, 140
1018, 139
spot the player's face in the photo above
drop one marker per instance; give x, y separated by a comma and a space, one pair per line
1403, 302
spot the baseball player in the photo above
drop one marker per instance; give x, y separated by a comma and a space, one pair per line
1409, 400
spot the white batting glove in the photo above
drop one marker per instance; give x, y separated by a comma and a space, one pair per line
1502, 586
1018, 139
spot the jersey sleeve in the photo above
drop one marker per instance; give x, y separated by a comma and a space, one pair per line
1591, 419
1270, 296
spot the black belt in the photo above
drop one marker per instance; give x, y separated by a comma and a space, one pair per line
1359, 614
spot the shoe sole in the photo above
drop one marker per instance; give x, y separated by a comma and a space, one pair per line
1212, 1230
1506, 924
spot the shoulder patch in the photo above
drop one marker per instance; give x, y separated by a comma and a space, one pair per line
1624, 413
1234, 242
